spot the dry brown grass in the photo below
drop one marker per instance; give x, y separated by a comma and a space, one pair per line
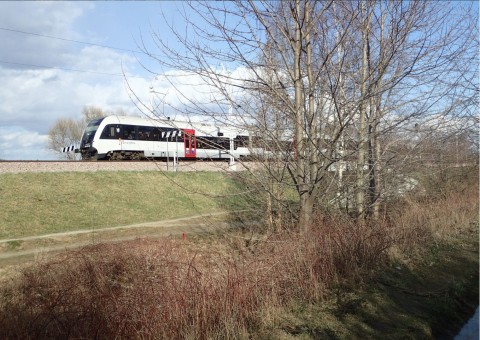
177, 289
439, 215
140, 289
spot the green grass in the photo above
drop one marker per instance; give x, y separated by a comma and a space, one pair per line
42, 203
15, 244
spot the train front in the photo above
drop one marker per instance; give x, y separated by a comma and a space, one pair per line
87, 149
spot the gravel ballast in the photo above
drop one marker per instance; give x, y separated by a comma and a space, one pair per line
64, 166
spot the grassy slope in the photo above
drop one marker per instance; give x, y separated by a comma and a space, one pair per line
41, 203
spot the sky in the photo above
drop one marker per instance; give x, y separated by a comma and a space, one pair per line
58, 57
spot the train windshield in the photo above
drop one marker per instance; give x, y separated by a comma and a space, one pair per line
90, 130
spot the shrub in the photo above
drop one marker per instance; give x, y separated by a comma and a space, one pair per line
140, 289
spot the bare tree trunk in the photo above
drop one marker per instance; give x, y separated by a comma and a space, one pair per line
376, 145
313, 137
270, 212
377, 166
302, 185
362, 124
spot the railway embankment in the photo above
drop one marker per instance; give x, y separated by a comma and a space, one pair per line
93, 166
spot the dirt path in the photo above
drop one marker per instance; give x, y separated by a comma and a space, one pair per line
21, 250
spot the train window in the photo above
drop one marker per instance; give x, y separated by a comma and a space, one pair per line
110, 132
93, 125
155, 134
209, 143
241, 142
201, 143
146, 133
223, 142
128, 132
90, 131
213, 143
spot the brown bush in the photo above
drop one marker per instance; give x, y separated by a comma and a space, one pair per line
418, 221
173, 289
130, 290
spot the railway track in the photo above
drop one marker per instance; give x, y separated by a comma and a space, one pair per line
91, 166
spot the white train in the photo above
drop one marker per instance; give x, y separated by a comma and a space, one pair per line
125, 137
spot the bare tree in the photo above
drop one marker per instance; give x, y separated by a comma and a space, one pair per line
413, 77
93, 112
64, 133
67, 132
324, 88
285, 73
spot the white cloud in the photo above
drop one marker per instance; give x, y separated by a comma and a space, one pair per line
33, 98
72, 75
17, 143
41, 18
38, 97
180, 89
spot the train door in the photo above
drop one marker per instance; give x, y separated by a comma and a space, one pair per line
190, 143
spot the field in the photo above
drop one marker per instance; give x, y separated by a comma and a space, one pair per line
44, 203
412, 275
